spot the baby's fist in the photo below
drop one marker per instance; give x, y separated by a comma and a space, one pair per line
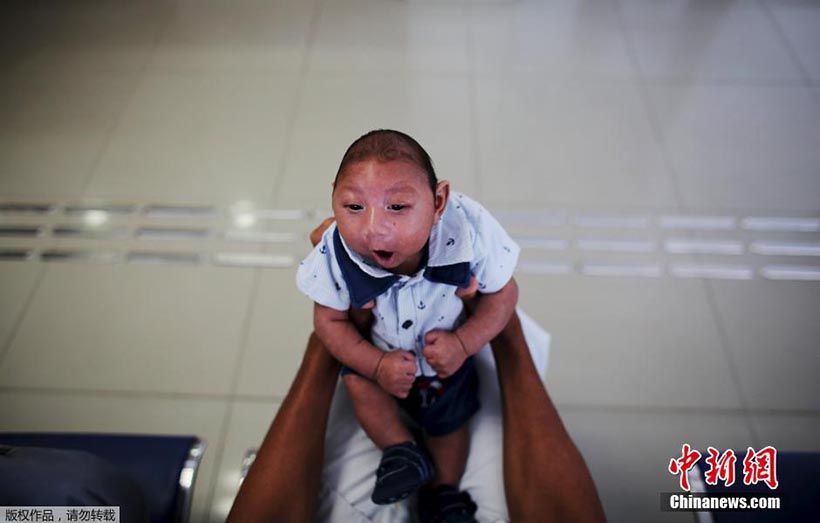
397, 372
444, 352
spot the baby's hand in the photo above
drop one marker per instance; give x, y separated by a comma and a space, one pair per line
444, 352
397, 372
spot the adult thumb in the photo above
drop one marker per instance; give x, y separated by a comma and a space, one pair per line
469, 290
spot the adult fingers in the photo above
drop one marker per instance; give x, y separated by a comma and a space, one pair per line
432, 336
316, 234
468, 291
361, 319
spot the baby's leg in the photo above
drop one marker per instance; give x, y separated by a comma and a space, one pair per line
449, 455
377, 412
443, 500
404, 467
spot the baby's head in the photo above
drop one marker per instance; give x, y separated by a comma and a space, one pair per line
386, 199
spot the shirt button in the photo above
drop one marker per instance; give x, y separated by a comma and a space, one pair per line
407, 324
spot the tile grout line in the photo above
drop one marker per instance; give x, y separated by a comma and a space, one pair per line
651, 114
682, 80
785, 42
246, 324
220, 447
234, 384
143, 394
138, 78
734, 373
266, 400
298, 102
685, 410
472, 87
807, 82
18, 322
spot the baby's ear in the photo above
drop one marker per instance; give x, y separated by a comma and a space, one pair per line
441, 197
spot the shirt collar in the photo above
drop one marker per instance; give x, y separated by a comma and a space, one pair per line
448, 259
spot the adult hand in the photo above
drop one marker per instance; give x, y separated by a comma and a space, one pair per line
469, 295
316, 234
397, 372
362, 318
444, 352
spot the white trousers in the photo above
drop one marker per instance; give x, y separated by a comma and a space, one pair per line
351, 458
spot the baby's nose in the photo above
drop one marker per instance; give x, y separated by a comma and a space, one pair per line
377, 226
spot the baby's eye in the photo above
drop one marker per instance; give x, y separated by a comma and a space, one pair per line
397, 207
354, 207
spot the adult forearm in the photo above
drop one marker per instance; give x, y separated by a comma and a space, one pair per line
491, 313
283, 482
545, 477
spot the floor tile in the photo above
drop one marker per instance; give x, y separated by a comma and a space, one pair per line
564, 38
17, 279
736, 147
798, 20
239, 36
772, 331
249, 422
716, 40
47, 412
338, 108
546, 142
198, 138
131, 328
630, 341
55, 127
369, 35
281, 321
789, 432
111, 37
628, 454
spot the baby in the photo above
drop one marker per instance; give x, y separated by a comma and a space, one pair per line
404, 248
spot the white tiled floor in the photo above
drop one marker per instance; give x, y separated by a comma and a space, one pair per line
562, 108
336, 105
741, 146
198, 138
628, 451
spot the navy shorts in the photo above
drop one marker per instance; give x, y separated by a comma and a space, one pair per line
439, 406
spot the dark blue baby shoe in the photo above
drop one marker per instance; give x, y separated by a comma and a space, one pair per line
404, 468
445, 504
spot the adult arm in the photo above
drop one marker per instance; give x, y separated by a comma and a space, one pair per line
545, 477
283, 482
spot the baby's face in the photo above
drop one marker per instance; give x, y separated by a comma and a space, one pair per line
386, 210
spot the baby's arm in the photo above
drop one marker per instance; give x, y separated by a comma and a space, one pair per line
446, 351
393, 371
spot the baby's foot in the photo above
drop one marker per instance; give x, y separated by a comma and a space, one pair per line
404, 468
445, 504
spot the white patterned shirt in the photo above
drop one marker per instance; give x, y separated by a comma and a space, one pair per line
466, 241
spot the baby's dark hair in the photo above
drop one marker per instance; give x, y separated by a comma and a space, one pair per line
386, 145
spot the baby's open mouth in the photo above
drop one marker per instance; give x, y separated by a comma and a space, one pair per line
382, 256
